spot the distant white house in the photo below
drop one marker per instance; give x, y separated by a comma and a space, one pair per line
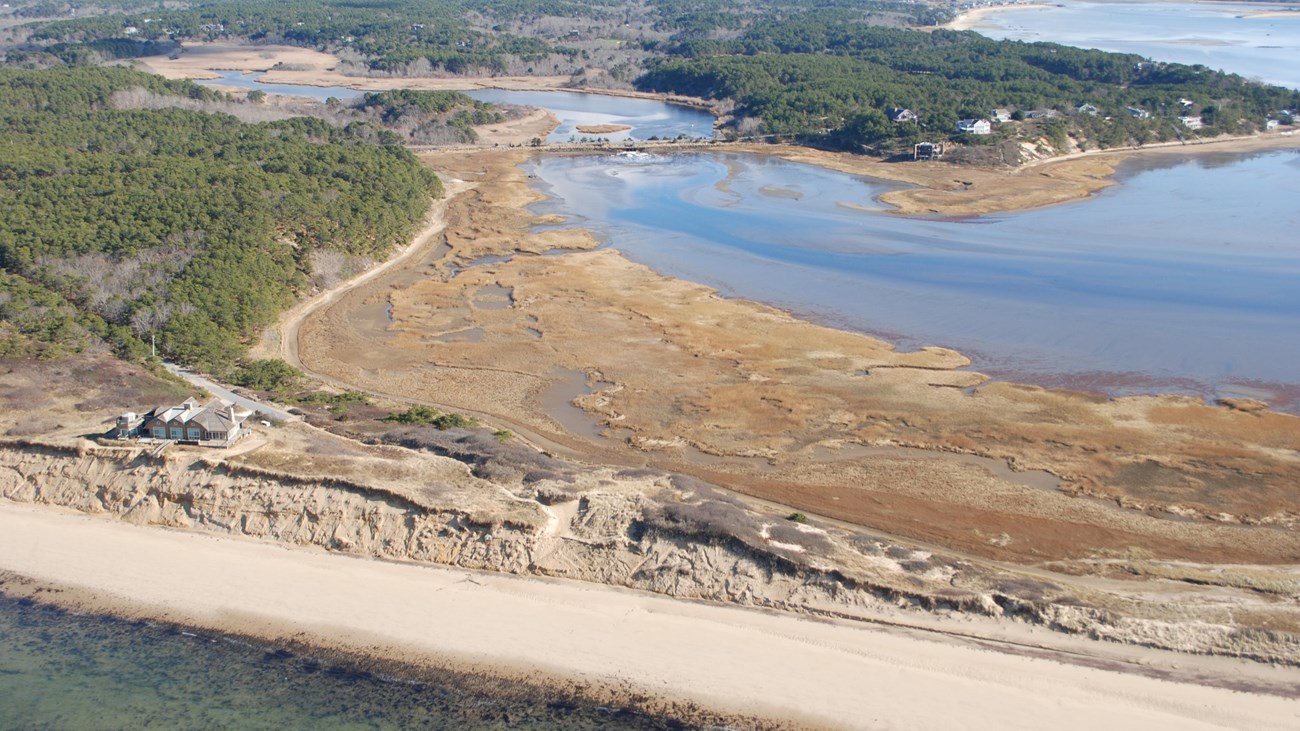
1086, 108
1000, 115
1271, 124
1138, 112
1185, 102
899, 114
1042, 114
1192, 122
975, 127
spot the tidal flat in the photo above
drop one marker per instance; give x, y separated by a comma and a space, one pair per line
1180, 279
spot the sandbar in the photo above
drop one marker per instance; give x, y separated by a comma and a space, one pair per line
962, 190
602, 129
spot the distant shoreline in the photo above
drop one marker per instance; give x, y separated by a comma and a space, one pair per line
995, 190
969, 19
981, 191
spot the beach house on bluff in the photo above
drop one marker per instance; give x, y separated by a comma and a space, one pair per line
975, 126
219, 424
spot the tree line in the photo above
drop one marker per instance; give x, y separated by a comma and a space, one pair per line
830, 78
192, 228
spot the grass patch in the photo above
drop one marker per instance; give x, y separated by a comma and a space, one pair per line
1262, 581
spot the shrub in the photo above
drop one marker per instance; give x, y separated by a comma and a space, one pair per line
267, 375
415, 416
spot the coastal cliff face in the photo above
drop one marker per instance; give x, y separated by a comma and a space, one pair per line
645, 531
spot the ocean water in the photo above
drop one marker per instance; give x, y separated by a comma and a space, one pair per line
1183, 278
1253, 40
61, 671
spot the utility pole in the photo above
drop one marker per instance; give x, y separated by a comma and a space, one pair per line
153, 344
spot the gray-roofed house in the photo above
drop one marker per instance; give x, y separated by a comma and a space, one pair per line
219, 424
899, 114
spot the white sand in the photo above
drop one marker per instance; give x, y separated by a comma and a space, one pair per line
730, 658
972, 18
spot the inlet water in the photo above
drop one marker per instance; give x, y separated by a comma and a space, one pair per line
643, 118
1185, 277
252, 80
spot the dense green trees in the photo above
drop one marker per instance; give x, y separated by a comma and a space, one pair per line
389, 34
817, 72
191, 227
822, 77
426, 116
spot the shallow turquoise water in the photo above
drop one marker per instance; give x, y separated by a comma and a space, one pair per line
67, 672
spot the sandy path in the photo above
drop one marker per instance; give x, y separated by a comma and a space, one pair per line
282, 339
729, 658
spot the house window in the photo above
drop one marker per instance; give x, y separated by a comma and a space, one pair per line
178, 433
160, 432
194, 432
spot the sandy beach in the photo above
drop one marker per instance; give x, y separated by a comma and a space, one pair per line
972, 18
810, 673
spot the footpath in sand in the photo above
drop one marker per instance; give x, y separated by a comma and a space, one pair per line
748, 397
811, 673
